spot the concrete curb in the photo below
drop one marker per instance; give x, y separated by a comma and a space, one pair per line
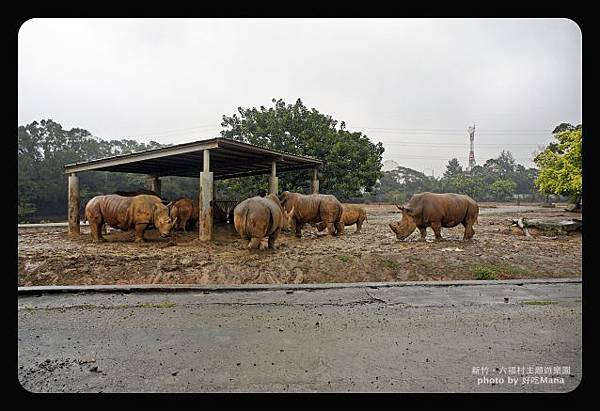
44, 225
277, 287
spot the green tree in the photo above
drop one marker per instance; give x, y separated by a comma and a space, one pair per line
45, 147
401, 183
471, 185
560, 166
352, 162
565, 127
453, 169
524, 178
503, 189
502, 167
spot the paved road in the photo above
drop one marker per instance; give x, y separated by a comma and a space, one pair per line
415, 338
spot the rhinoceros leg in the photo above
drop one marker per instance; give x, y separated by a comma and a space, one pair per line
96, 230
298, 229
272, 239
254, 243
183, 224
437, 229
469, 232
423, 231
359, 225
339, 228
330, 228
139, 232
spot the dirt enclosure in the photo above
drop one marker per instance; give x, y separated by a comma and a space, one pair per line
48, 256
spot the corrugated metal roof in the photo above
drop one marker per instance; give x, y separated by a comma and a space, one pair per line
228, 158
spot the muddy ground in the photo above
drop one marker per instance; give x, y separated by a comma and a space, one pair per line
48, 256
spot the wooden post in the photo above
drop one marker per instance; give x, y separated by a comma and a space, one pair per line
73, 207
315, 182
156, 185
273, 179
206, 197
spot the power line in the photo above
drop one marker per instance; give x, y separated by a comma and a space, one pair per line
418, 157
420, 131
433, 133
434, 144
453, 131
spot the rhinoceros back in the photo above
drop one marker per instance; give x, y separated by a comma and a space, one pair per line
257, 217
448, 208
141, 209
313, 208
352, 214
111, 209
183, 208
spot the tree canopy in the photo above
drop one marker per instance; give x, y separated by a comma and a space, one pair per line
351, 171
352, 162
560, 164
498, 179
45, 147
453, 168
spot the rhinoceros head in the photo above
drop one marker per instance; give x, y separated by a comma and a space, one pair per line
162, 219
405, 226
288, 222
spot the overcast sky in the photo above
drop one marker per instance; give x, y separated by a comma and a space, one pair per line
413, 84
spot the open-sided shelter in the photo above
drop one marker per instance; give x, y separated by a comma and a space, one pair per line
210, 160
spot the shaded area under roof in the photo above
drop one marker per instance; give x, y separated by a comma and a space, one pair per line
228, 159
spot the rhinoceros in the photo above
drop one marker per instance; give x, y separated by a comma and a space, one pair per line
128, 212
351, 214
313, 208
182, 210
436, 211
259, 217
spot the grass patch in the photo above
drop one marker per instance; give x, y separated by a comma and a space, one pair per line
535, 302
344, 258
483, 272
492, 271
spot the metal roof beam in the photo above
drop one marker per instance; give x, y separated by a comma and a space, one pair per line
137, 157
261, 171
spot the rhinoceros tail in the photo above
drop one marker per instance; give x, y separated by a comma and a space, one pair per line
271, 221
241, 221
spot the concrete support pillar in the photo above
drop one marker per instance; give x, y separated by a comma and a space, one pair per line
206, 197
156, 185
73, 208
274, 180
314, 186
